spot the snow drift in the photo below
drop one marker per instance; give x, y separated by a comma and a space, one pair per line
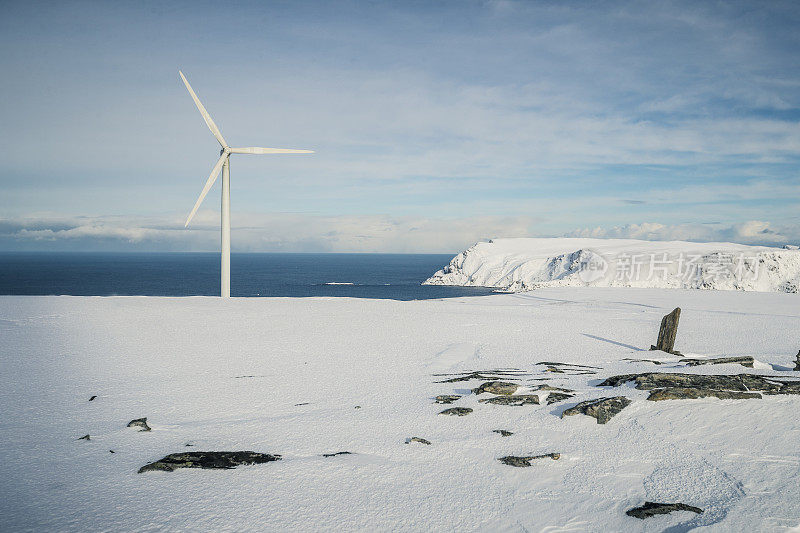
523, 264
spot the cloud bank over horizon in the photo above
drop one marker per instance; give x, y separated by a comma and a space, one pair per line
434, 125
293, 232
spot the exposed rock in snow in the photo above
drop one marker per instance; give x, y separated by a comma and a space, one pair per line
220, 460
746, 361
672, 393
418, 439
522, 264
457, 411
650, 509
496, 387
740, 382
503, 432
520, 399
555, 397
334, 454
447, 398
140, 423
483, 375
523, 461
668, 331
551, 388
603, 409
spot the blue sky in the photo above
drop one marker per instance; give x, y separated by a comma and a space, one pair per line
436, 124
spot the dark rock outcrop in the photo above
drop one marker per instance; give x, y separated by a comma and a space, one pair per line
503, 432
643, 361
551, 388
334, 454
668, 331
555, 397
418, 439
85, 437
603, 409
667, 386
520, 399
447, 398
496, 387
523, 461
736, 382
564, 368
140, 423
92, 398
746, 361
693, 394
484, 375
652, 508
797, 362
214, 460
553, 363
457, 411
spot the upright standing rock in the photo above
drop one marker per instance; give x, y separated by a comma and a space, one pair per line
797, 361
666, 335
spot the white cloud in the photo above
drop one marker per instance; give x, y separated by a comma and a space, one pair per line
284, 232
296, 232
750, 232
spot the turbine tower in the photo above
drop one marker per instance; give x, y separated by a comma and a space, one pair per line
223, 163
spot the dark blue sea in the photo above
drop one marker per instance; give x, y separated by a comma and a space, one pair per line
392, 276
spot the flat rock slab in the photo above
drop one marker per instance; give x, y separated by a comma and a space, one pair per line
457, 411
551, 388
523, 461
447, 398
644, 361
553, 363
212, 460
140, 423
603, 409
496, 387
564, 368
555, 397
707, 384
746, 361
485, 375
520, 399
673, 393
650, 509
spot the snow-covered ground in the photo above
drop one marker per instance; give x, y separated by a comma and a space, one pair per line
228, 375
523, 264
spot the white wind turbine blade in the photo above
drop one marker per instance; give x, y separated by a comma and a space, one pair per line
210, 123
211, 179
257, 150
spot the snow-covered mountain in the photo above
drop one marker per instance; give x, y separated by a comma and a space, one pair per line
523, 264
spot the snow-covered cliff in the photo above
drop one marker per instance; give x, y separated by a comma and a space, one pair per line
516, 265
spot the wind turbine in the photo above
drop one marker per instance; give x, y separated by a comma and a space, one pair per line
223, 163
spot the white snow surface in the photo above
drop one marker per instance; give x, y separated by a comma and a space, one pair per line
227, 375
522, 264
